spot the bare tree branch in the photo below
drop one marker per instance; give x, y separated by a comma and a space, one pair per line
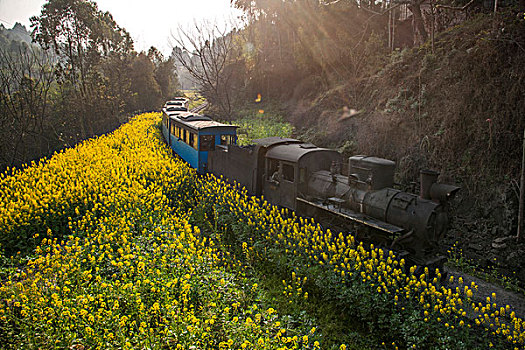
462, 8
205, 52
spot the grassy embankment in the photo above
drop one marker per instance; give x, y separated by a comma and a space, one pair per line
257, 122
195, 98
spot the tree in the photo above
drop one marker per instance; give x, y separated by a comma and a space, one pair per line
309, 43
208, 54
80, 35
166, 77
146, 90
115, 72
165, 73
419, 31
26, 78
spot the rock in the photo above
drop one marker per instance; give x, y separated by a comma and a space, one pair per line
499, 245
475, 246
500, 240
512, 256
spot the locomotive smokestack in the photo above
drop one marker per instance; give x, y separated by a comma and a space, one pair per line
428, 178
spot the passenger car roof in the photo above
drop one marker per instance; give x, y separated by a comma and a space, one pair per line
197, 121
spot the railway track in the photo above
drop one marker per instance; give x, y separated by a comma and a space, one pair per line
199, 108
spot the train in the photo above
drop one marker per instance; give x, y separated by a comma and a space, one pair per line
357, 195
176, 104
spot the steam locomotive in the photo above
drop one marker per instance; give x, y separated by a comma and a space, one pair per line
310, 180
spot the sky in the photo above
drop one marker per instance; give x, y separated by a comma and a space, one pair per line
149, 22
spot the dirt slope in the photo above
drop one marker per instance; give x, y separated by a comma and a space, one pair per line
457, 107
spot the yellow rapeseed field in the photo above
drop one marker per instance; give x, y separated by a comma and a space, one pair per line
128, 271
117, 264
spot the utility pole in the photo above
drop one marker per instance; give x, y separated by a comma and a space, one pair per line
393, 28
522, 192
389, 29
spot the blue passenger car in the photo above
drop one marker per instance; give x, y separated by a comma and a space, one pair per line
192, 136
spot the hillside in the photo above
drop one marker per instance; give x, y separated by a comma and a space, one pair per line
11, 38
457, 108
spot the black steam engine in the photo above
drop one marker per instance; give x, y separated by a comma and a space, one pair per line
310, 180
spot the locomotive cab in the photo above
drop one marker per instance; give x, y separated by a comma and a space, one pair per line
288, 168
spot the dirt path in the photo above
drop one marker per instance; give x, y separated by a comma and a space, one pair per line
504, 297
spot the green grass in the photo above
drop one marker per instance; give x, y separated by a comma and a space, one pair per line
259, 123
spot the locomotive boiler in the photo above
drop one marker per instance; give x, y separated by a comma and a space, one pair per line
399, 220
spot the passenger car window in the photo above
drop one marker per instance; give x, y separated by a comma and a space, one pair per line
191, 139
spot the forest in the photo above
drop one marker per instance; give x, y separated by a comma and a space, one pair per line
73, 76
